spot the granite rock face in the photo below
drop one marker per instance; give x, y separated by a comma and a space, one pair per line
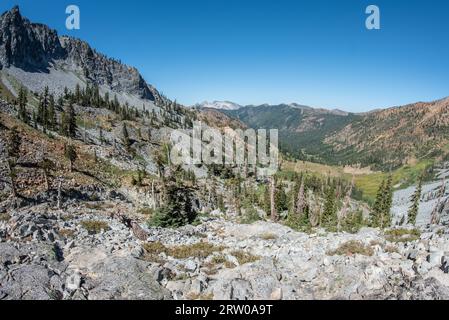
239, 262
34, 47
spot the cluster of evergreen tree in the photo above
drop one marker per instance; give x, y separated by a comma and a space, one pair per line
178, 210
381, 216
46, 112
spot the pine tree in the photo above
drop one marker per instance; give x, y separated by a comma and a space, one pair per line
330, 208
178, 210
47, 165
13, 149
125, 134
415, 199
70, 154
69, 126
43, 109
101, 136
23, 100
378, 206
387, 202
78, 93
51, 114
281, 199
34, 119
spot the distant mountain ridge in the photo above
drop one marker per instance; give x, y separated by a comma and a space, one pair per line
218, 105
382, 138
228, 105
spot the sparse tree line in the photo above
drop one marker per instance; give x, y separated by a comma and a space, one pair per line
44, 163
301, 201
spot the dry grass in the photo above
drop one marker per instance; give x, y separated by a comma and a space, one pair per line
391, 249
5, 217
376, 243
402, 235
146, 211
244, 257
97, 206
66, 233
219, 259
210, 268
93, 226
199, 250
268, 236
201, 297
229, 265
351, 248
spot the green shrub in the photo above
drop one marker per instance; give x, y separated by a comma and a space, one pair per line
402, 235
250, 216
352, 247
94, 227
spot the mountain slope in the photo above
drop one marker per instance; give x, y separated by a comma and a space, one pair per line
382, 139
302, 130
395, 136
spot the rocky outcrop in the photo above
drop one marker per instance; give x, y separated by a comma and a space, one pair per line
26, 45
51, 254
51, 257
35, 47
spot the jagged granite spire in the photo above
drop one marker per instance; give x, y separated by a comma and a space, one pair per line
26, 45
35, 47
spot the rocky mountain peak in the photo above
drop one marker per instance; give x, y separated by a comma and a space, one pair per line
26, 45
35, 47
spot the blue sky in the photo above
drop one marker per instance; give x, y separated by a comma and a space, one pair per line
314, 52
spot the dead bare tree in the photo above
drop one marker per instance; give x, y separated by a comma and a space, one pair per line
301, 202
59, 193
274, 215
343, 213
435, 217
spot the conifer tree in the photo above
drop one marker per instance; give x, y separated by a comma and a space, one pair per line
46, 165
387, 202
70, 154
23, 100
100, 134
415, 199
77, 93
51, 114
69, 126
13, 149
330, 207
178, 210
125, 134
378, 206
281, 199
